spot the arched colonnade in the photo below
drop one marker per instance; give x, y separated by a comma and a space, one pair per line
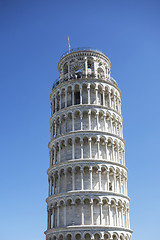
91, 120
88, 236
86, 93
87, 147
88, 211
94, 178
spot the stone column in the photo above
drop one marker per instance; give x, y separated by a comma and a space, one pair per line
96, 95
58, 185
91, 212
53, 218
103, 98
122, 221
72, 122
98, 148
81, 149
90, 148
89, 120
59, 152
90, 171
85, 66
81, 178
60, 98
72, 96
65, 98
112, 152
73, 155
57, 215
109, 214
54, 155
56, 103
64, 215
116, 215
97, 117
73, 180
106, 152
73, 212
88, 88
100, 213
81, 122
107, 180
120, 186
80, 95
99, 175
114, 175
109, 98
65, 180
82, 221
50, 186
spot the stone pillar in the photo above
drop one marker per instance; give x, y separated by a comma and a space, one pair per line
73, 212
120, 186
65, 180
91, 212
60, 100
109, 98
85, 67
112, 152
103, 98
106, 152
107, 180
81, 121
96, 89
72, 97
88, 88
64, 215
89, 120
99, 175
90, 148
114, 175
90, 171
122, 220
81, 178
73, 180
100, 213
97, 117
72, 122
82, 221
53, 218
65, 98
56, 103
81, 149
109, 214
98, 148
80, 95
57, 215
73, 155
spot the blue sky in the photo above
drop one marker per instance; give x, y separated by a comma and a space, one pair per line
33, 37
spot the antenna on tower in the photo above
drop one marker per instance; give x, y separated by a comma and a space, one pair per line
69, 46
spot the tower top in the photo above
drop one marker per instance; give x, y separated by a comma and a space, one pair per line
84, 63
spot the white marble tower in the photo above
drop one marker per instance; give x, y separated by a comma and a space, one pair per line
87, 173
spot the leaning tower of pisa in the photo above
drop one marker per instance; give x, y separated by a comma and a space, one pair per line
87, 174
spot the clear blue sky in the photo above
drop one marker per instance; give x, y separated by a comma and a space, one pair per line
33, 37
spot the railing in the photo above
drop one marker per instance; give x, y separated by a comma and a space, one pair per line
82, 49
58, 80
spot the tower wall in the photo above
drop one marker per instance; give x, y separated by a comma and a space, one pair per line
87, 175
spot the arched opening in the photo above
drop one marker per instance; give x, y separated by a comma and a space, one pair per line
105, 214
85, 120
95, 178
86, 178
76, 95
96, 212
87, 212
65, 68
85, 148
78, 212
69, 179
77, 122
77, 148
77, 178
84, 94
69, 96
69, 122
69, 212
